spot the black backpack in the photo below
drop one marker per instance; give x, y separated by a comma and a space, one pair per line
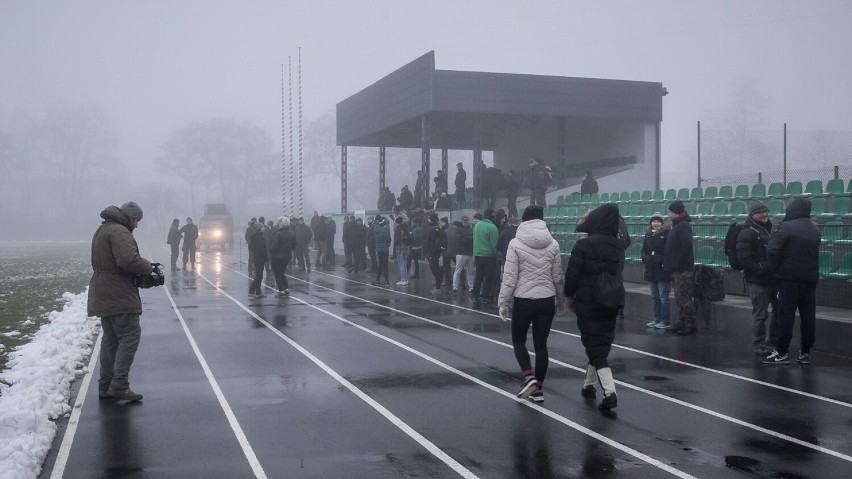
731, 246
708, 283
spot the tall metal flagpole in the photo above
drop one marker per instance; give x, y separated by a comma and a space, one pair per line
301, 191
283, 146
290, 88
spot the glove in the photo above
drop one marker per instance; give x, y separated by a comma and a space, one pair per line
504, 314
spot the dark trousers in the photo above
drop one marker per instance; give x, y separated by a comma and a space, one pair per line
329, 252
459, 196
485, 269
359, 262
413, 257
347, 255
435, 268
189, 253
793, 295
512, 207
322, 251
121, 335
597, 332
448, 269
254, 287
175, 251
279, 265
373, 265
303, 259
382, 267
537, 313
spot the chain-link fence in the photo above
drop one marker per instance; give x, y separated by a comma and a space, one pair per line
732, 157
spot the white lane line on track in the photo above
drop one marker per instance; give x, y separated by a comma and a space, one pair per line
68, 440
694, 407
582, 429
396, 421
626, 348
223, 402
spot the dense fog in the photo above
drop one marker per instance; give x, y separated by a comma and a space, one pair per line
178, 104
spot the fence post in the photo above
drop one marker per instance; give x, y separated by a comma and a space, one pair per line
836, 172
785, 155
699, 153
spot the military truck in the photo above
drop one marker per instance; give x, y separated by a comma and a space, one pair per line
216, 226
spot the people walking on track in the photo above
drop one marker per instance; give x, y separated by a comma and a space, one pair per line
532, 276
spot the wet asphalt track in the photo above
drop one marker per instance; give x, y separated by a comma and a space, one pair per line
344, 379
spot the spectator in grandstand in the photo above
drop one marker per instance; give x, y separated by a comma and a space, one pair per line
751, 253
659, 280
589, 184
678, 259
793, 254
461, 179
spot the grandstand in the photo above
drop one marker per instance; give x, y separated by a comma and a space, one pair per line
713, 209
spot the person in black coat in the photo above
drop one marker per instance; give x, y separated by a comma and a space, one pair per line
659, 280
281, 246
793, 254
436, 243
751, 253
357, 242
257, 247
173, 240
679, 260
190, 234
598, 253
459, 183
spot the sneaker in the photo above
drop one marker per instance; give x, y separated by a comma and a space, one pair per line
652, 324
777, 358
530, 386
609, 402
804, 358
280, 295
537, 396
286, 292
124, 394
588, 391
402, 283
661, 326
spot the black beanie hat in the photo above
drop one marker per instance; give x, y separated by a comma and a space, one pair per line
676, 207
756, 206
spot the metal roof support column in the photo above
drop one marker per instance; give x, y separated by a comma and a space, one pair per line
445, 160
424, 153
477, 168
561, 151
343, 179
382, 159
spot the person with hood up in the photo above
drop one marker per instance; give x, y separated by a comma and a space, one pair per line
679, 260
532, 276
659, 280
281, 246
793, 254
115, 299
591, 256
173, 240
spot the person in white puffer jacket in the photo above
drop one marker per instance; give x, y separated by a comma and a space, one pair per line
533, 276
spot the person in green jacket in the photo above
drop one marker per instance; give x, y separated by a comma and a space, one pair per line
485, 237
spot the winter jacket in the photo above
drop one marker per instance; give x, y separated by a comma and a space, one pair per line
793, 250
678, 255
303, 235
591, 256
436, 241
382, 237
506, 236
115, 261
359, 238
464, 246
320, 231
282, 243
257, 245
533, 267
174, 235
190, 234
417, 236
751, 252
485, 239
653, 249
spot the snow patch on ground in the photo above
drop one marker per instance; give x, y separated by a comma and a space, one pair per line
36, 386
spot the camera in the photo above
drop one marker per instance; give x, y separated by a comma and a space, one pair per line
156, 278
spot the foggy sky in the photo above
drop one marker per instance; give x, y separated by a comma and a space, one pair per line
156, 66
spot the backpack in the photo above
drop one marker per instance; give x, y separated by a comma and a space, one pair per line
731, 246
609, 291
708, 283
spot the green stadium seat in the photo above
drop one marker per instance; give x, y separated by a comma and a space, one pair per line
671, 194
813, 187
660, 195
661, 208
585, 199
704, 208
758, 190
844, 272
832, 232
720, 230
624, 197
604, 198
635, 196
647, 196
741, 191
683, 194
711, 192
776, 208
818, 208
570, 212
840, 207
705, 255
647, 210
738, 210
776, 190
721, 259
719, 209
826, 263
834, 187
696, 194
634, 210
594, 199
794, 188
849, 186
726, 191
560, 200
614, 197
702, 230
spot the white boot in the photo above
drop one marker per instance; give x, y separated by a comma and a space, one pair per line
610, 399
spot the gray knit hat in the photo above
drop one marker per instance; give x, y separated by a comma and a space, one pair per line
132, 210
756, 206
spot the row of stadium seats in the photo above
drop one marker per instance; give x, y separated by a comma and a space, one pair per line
813, 188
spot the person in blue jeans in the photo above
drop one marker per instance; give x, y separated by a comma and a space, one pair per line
658, 279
